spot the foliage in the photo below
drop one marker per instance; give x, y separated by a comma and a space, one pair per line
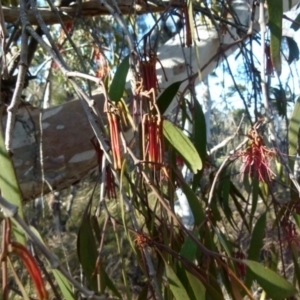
130, 242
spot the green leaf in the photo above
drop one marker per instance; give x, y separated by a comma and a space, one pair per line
297, 219
183, 145
118, 83
255, 192
63, 284
275, 286
197, 286
293, 133
293, 50
87, 251
188, 249
295, 25
256, 244
175, 284
194, 202
167, 96
275, 11
200, 131
295, 256
9, 186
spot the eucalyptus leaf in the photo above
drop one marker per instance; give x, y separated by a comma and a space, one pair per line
275, 286
117, 86
275, 11
183, 145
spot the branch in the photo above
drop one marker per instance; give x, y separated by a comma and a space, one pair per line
88, 9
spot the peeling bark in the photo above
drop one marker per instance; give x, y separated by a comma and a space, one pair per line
68, 151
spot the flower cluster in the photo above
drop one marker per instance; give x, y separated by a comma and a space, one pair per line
257, 157
153, 140
114, 129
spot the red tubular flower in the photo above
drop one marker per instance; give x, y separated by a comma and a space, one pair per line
31, 267
256, 158
153, 140
241, 267
114, 130
148, 70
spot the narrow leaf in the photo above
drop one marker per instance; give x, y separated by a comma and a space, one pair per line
275, 11
87, 251
193, 202
295, 25
175, 284
256, 244
118, 84
167, 96
293, 50
183, 145
200, 131
63, 284
9, 186
275, 286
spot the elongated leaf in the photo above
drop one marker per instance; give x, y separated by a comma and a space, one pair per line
275, 286
295, 25
255, 191
118, 84
183, 145
295, 256
63, 284
175, 284
293, 50
256, 244
197, 286
293, 133
87, 251
167, 96
199, 129
188, 249
193, 202
275, 11
297, 219
9, 186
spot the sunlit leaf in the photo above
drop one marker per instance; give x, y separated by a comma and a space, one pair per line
64, 285
183, 145
275, 11
118, 83
9, 186
275, 286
